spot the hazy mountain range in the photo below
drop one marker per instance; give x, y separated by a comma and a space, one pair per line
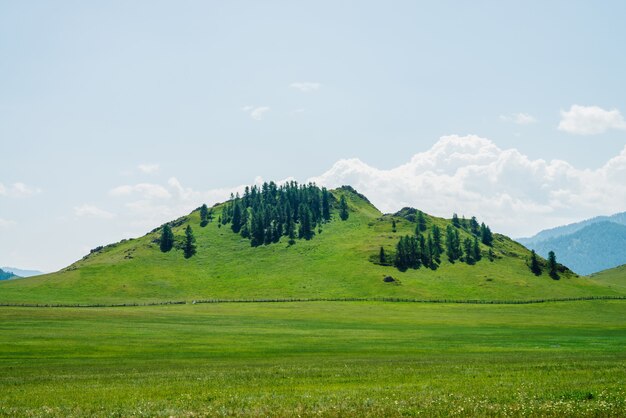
586, 247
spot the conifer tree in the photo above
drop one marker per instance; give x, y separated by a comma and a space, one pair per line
382, 257
204, 215
236, 221
534, 263
453, 244
306, 229
474, 227
393, 225
343, 208
438, 249
476, 250
552, 266
455, 220
485, 235
421, 221
325, 204
469, 251
190, 242
166, 242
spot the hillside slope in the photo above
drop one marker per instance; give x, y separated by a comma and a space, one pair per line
614, 278
335, 263
595, 247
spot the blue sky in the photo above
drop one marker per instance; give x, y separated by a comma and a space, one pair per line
117, 116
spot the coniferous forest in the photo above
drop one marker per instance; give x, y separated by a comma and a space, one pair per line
267, 213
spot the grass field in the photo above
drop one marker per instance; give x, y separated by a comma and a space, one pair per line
317, 358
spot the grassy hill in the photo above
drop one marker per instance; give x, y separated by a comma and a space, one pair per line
614, 278
335, 263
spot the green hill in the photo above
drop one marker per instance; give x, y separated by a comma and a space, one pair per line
614, 278
336, 263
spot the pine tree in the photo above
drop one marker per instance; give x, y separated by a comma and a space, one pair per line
382, 257
476, 250
190, 242
485, 235
455, 220
534, 264
552, 266
306, 230
469, 251
421, 221
291, 232
393, 225
219, 221
343, 208
166, 241
453, 244
474, 227
204, 215
236, 221
437, 248
325, 204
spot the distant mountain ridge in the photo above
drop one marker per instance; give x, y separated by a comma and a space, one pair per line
22, 273
618, 218
597, 245
6, 275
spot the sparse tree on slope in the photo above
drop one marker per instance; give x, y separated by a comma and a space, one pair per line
166, 241
534, 264
343, 208
552, 267
204, 215
190, 242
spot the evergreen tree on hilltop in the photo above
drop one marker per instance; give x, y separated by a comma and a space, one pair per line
468, 248
190, 243
534, 264
166, 242
437, 248
476, 250
343, 208
552, 266
204, 215
453, 243
325, 204
236, 219
474, 227
485, 235
455, 220
421, 221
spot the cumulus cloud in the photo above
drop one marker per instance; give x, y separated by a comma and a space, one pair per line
92, 211
590, 120
519, 118
505, 188
305, 86
148, 168
256, 112
18, 190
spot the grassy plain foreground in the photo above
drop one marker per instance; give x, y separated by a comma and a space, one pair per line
317, 358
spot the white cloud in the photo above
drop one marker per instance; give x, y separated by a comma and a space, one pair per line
305, 86
519, 118
145, 190
18, 190
590, 120
258, 112
92, 211
6, 223
148, 168
505, 188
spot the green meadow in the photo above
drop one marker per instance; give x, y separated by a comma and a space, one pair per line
315, 359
